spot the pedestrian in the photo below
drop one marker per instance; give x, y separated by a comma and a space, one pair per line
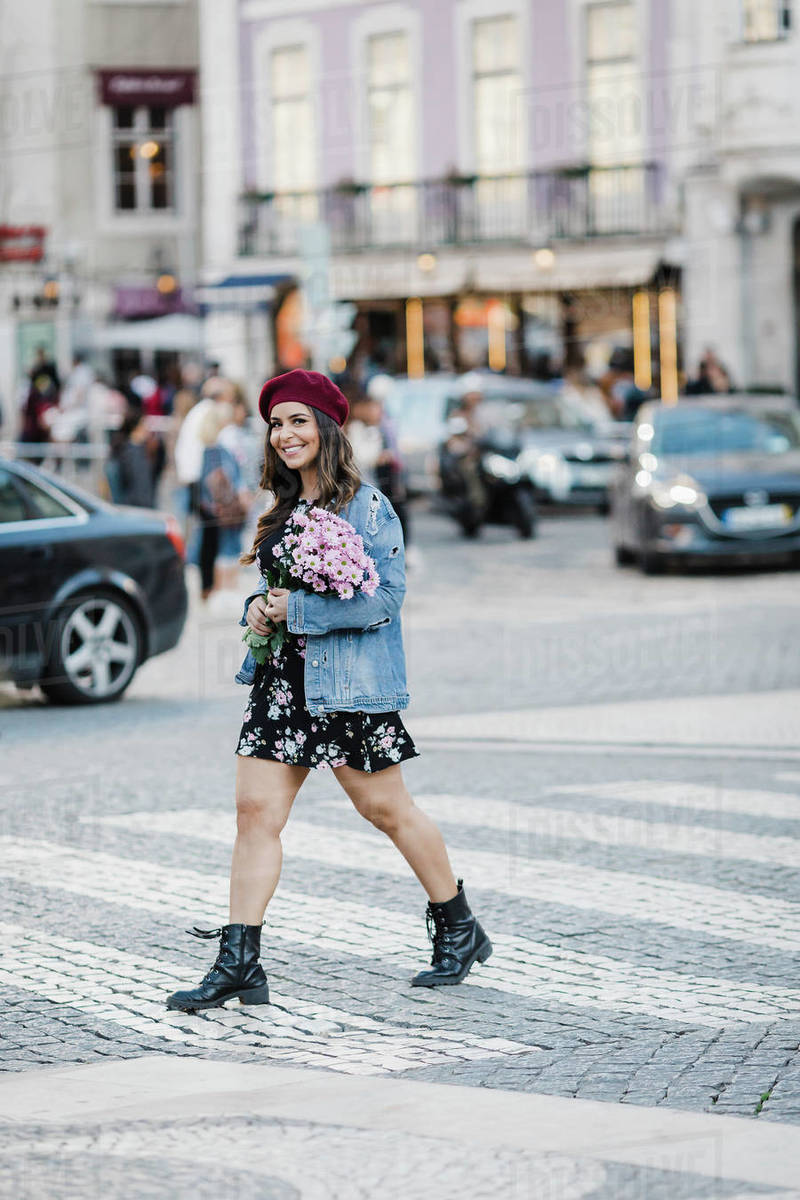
243, 443
331, 696
222, 506
129, 470
376, 454
40, 405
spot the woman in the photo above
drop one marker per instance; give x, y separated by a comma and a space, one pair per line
331, 696
221, 503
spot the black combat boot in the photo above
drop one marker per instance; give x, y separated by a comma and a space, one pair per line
237, 971
458, 941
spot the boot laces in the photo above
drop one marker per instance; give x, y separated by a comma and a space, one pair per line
208, 934
438, 933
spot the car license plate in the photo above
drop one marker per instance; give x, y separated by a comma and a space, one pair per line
766, 516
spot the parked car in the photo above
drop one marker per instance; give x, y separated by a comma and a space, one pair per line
88, 590
709, 479
560, 446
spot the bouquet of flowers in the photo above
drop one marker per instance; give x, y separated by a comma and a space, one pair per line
322, 554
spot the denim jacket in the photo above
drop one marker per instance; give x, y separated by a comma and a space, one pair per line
354, 648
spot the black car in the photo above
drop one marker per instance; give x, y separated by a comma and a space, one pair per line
88, 590
710, 479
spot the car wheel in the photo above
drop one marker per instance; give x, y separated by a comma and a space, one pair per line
624, 557
97, 648
652, 564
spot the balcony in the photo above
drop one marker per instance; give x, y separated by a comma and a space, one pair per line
531, 208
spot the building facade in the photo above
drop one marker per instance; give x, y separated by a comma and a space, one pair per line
99, 200
740, 169
492, 178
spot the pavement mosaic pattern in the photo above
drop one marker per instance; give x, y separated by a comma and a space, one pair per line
287, 1160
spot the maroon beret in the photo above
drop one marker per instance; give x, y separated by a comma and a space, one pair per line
307, 387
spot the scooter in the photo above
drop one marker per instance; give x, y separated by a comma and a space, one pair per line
481, 483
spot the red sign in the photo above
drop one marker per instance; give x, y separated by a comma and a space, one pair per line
22, 243
166, 88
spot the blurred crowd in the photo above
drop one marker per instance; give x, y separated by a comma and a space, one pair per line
190, 445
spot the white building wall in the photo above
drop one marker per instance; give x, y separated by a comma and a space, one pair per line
741, 156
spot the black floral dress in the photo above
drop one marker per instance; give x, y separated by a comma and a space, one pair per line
278, 726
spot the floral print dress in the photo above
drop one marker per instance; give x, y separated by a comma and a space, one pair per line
278, 726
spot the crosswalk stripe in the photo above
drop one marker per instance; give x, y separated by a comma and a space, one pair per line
112, 985
704, 910
521, 821
704, 797
520, 966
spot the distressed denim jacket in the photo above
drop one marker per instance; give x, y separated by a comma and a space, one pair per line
354, 648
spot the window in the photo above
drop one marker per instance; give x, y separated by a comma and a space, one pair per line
44, 504
293, 140
765, 20
496, 94
390, 108
144, 158
391, 134
616, 190
615, 134
12, 505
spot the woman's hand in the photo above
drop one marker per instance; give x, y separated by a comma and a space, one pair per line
277, 604
257, 615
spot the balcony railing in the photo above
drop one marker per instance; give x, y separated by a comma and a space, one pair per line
531, 208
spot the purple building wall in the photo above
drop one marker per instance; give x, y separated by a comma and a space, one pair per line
552, 89
439, 90
551, 99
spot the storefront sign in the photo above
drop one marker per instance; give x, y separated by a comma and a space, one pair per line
167, 88
22, 243
132, 301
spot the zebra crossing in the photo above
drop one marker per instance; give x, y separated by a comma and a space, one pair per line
520, 966
711, 911
112, 984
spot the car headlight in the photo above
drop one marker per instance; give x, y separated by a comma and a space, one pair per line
681, 492
502, 468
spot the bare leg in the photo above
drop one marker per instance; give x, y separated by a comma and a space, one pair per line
265, 792
383, 799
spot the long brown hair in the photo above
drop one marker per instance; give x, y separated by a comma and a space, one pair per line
339, 479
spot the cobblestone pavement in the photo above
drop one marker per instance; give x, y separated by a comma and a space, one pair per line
643, 900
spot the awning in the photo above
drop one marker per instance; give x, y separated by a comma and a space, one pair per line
178, 331
240, 291
575, 268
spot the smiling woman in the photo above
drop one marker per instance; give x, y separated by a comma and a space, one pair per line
329, 694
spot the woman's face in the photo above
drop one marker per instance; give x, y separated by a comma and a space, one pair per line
293, 434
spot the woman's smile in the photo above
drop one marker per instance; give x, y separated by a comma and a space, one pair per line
294, 434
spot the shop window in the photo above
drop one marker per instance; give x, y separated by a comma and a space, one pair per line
143, 150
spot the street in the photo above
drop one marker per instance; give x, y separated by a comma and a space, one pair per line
627, 834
